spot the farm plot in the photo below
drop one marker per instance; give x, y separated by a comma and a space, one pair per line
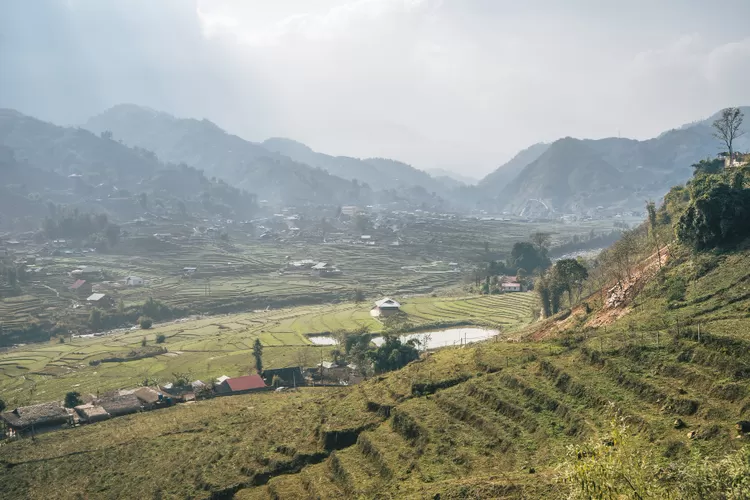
222, 345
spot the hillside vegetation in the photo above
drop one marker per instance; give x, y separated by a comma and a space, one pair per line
639, 398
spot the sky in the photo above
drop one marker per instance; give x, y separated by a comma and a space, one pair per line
456, 84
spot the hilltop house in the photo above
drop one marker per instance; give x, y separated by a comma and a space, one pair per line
385, 307
738, 160
82, 288
36, 418
240, 385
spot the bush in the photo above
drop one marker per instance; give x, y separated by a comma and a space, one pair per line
676, 288
72, 399
145, 322
716, 218
161, 338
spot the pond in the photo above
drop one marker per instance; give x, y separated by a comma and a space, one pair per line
427, 340
322, 340
446, 338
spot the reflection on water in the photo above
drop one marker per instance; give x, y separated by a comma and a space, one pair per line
428, 340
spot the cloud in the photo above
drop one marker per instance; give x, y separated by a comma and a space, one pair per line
339, 21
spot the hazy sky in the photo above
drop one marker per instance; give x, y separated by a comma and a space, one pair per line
458, 84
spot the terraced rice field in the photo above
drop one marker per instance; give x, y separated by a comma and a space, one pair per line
222, 345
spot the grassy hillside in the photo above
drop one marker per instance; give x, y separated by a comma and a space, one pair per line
490, 421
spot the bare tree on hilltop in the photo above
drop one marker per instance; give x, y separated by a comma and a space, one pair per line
727, 128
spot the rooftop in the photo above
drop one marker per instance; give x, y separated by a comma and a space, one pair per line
45, 413
387, 303
96, 297
245, 383
78, 284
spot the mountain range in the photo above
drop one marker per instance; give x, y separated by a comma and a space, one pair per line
579, 175
279, 170
127, 146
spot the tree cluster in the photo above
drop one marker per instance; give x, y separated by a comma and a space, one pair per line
566, 276
76, 225
716, 218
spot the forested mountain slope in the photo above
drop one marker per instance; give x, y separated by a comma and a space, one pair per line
44, 163
202, 144
624, 171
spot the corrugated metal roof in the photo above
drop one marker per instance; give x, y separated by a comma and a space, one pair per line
387, 303
245, 383
78, 284
95, 297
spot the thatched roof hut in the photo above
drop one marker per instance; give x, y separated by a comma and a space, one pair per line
45, 414
92, 413
120, 405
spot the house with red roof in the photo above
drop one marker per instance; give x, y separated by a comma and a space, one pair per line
239, 385
81, 287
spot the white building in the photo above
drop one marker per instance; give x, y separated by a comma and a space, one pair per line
134, 281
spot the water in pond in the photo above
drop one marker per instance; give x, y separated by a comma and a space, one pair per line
322, 340
427, 340
445, 338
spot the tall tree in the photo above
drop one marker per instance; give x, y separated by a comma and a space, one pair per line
651, 209
727, 128
525, 255
541, 240
258, 355
568, 275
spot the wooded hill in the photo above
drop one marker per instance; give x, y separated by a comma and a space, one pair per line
578, 175
43, 163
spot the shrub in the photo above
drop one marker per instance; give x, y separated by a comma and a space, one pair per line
716, 218
161, 338
145, 322
72, 399
676, 288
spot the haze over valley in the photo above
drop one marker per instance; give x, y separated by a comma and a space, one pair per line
374, 249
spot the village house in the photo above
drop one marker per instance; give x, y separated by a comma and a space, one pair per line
291, 377
385, 307
36, 418
120, 405
325, 269
510, 286
350, 210
86, 272
134, 281
81, 288
239, 385
91, 413
99, 300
